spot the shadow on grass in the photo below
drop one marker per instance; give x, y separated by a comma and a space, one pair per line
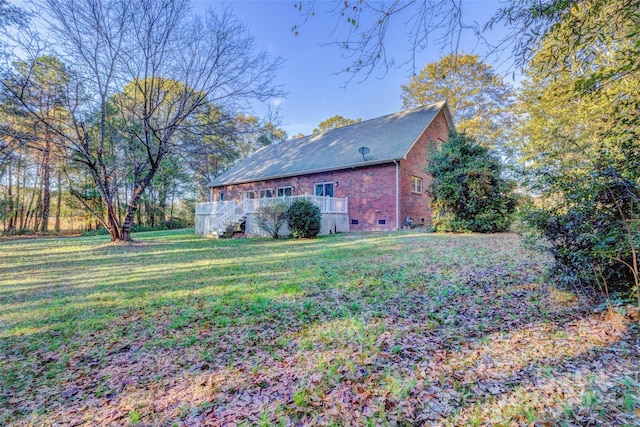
232, 329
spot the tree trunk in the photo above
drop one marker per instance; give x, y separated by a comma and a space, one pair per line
173, 194
46, 184
56, 227
31, 208
136, 194
18, 206
113, 224
162, 203
11, 224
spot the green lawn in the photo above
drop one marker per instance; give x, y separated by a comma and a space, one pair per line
404, 328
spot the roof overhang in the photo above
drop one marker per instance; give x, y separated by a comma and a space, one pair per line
312, 172
447, 116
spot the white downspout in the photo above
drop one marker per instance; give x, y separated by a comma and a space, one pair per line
397, 194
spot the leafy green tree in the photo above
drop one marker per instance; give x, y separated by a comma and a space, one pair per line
578, 139
591, 226
335, 122
572, 34
30, 123
269, 134
562, 116
49, 78
468, 192
480, 100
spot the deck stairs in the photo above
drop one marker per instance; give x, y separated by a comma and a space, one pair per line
227, 229
229, 218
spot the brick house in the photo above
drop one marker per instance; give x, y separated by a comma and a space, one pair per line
376, 166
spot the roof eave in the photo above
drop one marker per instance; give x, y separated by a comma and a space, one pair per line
447, 116
310, 172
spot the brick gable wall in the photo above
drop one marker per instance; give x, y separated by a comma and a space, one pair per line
417, 206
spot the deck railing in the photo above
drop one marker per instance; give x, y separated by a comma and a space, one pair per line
216, 216
326, 204
211, 208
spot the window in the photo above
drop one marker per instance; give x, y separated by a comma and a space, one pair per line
416, 184
437, 144
265, 192
284, 191
251, 194
324, 189
382, 221
354, 221
221, 197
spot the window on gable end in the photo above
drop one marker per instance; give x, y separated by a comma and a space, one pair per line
416, 184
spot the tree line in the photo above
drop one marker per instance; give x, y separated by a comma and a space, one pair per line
132, 108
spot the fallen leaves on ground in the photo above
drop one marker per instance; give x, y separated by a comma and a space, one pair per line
431, 330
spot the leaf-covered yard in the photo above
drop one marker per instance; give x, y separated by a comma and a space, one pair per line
398, 328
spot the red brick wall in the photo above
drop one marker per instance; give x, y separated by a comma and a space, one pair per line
417, 206
370, 189
371, 193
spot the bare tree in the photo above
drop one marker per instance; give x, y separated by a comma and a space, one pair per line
361, 31
140, 70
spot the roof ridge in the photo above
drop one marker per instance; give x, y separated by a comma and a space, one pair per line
374, 118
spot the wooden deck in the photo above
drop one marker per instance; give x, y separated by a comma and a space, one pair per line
212, 218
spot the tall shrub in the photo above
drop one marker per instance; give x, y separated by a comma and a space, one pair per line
304, 219
590, 222
468, 191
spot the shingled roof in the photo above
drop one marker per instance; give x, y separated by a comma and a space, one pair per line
388, 138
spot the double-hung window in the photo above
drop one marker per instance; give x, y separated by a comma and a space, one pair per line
416, 184
324, 189
265, 192
284, 191
251, 194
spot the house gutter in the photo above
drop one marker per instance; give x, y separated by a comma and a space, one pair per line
397, 194
299, 173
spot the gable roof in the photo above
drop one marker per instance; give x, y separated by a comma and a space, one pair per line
388, 138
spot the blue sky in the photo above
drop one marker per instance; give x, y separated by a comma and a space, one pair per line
315, 91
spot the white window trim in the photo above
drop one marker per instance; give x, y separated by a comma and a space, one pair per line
264, 190
246, 193
283, 190
420, 181
315, 184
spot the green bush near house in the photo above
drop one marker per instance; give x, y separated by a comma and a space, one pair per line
304, 219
